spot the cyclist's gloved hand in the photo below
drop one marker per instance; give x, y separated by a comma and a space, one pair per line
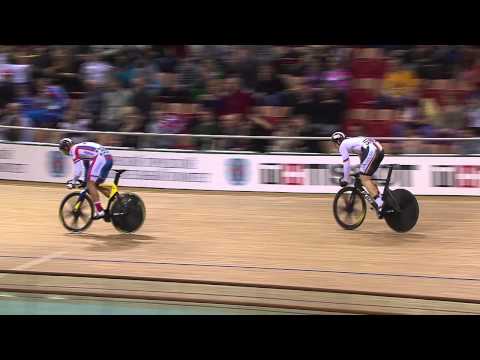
75, 184
343, 183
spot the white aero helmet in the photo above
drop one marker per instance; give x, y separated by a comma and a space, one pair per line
338, 137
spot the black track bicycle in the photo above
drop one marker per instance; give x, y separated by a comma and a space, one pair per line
400, 208
125, 211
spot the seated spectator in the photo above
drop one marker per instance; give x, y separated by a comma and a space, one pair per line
236, 103
188, 72
95, 69
7, 90
115, 98
450, 119
291, 96
399, 85
168, 62
429, 109
124, 70
287, 58
296, 126
213, 97
260, 126
49, 105
247, 67
283, 145
146, 67
468, 147
94, 103
304, 100
229, 126
161, 124
472, 74
269, 86
206, 73
13, 116
314, 74
41, 62
473, 115
131, 122
76, 118
427, 65
336, 76
25, 98
206, 124
173, 92
414, 146
64, 70
142, 100
330, 111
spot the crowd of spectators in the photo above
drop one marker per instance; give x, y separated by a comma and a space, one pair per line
235, 90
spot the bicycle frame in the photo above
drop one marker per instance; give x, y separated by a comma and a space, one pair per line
113, 193
386, 192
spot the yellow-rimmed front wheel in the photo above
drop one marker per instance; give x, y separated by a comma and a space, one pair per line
76, 212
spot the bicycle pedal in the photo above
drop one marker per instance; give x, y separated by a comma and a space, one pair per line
98, 217
107, 217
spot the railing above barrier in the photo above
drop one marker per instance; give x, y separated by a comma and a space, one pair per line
306, 138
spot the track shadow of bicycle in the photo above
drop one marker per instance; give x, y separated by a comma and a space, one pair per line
115, 242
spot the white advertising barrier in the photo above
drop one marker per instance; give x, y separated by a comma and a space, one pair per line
442, 175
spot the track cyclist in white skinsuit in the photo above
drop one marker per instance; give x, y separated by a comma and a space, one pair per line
97, 162
371, 155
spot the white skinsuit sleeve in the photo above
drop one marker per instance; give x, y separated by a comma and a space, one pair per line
77, 170
346, 162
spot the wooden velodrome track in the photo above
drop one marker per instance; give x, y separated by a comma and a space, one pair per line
272, 240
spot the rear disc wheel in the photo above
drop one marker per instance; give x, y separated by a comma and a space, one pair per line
407, 218
128, 213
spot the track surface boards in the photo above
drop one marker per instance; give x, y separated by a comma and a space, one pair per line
278, 239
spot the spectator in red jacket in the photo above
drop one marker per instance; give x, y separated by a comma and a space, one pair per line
236, 101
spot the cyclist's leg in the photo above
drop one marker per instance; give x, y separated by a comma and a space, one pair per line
371, 186
93, 178
104, 189
367, 169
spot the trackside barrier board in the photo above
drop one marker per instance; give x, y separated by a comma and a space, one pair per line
442, 175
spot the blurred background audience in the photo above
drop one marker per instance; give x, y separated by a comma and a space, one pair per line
313, 90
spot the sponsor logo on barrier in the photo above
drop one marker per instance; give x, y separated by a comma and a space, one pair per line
12, 168
162, 169
463, 176
156, 162
238, 171
327, 174
56, 164
6, 154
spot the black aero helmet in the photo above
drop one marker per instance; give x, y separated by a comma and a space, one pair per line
338, 137
64, 145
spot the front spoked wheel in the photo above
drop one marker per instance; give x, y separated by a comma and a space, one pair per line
75, 213
349, 208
